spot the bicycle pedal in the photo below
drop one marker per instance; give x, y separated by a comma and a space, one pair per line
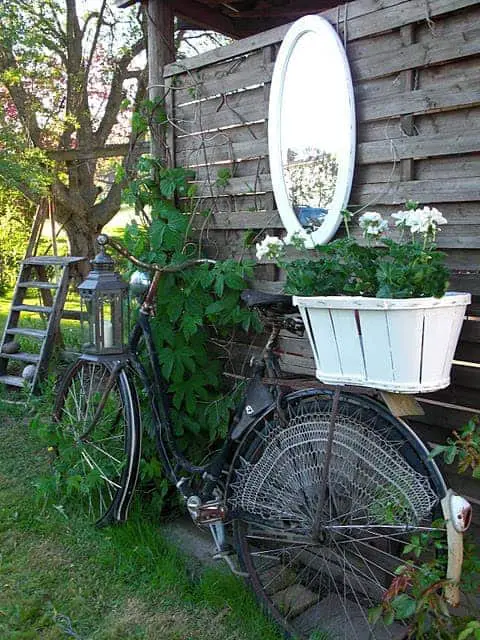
206, 513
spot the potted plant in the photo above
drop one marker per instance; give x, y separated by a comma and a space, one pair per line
377, 316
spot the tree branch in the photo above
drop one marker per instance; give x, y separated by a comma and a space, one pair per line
116, 93
95, 38
23, 99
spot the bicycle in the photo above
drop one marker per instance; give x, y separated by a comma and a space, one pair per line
320, 488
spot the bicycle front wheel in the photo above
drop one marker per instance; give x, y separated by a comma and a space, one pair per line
380, 489
99, 439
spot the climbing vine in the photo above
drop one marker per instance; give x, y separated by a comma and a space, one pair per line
196, 308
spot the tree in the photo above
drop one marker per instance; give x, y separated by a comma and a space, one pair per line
66, 83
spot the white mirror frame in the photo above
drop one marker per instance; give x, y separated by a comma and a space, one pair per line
326, 231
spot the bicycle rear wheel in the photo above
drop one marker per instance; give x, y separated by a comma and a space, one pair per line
381, 489
98, 461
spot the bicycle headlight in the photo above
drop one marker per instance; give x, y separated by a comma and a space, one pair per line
139, 283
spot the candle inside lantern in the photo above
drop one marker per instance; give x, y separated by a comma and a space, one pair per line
107, 333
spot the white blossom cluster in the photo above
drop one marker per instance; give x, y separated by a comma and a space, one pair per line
372, 224
272, 247
425, 220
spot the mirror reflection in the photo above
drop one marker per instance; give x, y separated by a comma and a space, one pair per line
315, 129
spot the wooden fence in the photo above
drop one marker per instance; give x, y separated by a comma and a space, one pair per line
416, 72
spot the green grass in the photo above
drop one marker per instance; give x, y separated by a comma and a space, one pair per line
60, 576
57, 571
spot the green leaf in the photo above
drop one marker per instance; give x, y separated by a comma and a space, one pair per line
437, 450
375, 614
404, 606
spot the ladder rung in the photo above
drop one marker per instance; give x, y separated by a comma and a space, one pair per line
32, 333
37, 284
53, 260
13, 381
32, 308
24, 357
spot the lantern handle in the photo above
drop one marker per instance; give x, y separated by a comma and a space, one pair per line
103, 239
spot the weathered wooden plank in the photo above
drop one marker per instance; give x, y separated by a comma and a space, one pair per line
241, 133
420, 55
217, 69
468, 352
449, 122
240, 220
450, 72
465, 282
194, 119
454, 96
255, 73
396, 16
451, 167
463, 259
390, 129
456, 395
259, 183
385, 172
419, 146
448, 25
471, 332
239, 100
249, 202
222, 149
218, 172
431, 191
378, 88
466, 376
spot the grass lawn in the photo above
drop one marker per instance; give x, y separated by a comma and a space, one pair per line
61, 578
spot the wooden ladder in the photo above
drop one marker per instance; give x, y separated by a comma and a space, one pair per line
49, 276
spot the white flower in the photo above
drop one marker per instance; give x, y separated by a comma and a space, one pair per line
416, 221
369, 217
372, 224
400, 218
434, 216
425, 220
269, 247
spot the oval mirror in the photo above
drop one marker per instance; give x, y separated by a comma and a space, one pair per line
311, 129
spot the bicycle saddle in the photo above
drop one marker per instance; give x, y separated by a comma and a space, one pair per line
277, 301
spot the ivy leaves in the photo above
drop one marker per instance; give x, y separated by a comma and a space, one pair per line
192, 306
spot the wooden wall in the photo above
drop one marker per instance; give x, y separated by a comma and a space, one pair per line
416, 72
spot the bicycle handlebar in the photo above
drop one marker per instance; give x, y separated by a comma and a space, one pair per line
103, 239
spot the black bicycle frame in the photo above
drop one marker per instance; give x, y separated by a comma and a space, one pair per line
257, 401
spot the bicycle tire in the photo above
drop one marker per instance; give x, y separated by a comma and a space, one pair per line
325, 587
99, 468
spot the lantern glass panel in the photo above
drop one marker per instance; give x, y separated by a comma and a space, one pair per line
106, 331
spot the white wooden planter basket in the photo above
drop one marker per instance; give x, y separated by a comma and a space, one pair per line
402, 345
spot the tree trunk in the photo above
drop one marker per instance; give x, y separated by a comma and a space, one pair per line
82, 233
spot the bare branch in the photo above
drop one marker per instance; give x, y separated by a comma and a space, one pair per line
116, 93
96, 35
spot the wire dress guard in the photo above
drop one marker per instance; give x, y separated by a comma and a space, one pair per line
368, 475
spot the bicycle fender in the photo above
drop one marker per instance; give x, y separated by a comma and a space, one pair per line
457, 513
257, 399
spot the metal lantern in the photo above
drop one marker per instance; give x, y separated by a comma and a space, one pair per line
104, 297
